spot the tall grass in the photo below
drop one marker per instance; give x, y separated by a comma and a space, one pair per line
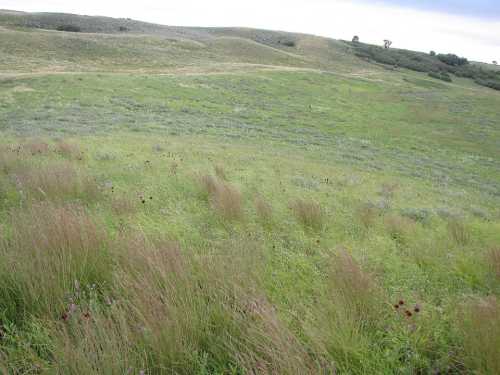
55, 181
459, 231
349, 316
480, 326
48, 250
308, 213
225, 198
185, 314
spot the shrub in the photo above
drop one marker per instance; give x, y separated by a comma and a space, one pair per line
308, 213
69, 28
288, 43
50, 248
443, 76
453, 60
480, 326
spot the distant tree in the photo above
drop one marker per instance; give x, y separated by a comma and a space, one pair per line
433, 53
69, 28
123, 28
387, 44
495, 63
453, 60
355, 39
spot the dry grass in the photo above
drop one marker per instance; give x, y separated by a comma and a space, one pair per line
493, 260
263, 208
122, 205
69, 150
459, 232
480, 325
308, 213
176, 307
399, 228
388, 190
220, 172
55, 181
352, 308
355, 288
11, 159
50, 248
367, 215
225, 198
36, 147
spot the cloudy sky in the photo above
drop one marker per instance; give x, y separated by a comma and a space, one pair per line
467, 27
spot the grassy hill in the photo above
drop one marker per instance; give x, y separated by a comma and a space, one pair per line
237, 201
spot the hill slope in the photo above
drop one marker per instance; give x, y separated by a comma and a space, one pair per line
236, 201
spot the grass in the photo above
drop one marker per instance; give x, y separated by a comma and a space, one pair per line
196, 214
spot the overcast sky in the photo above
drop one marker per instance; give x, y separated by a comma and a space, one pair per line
466, 27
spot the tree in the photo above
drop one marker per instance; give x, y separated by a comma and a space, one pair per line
495, 63
355, 39
453, 60
387, 44
433, 53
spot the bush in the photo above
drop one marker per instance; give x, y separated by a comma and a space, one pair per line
443, 76
69, 28
453, 60
288, 43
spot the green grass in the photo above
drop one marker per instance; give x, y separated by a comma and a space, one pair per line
200, 214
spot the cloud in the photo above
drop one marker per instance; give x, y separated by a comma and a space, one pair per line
489, 9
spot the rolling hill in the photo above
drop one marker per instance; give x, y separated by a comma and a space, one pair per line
234, 201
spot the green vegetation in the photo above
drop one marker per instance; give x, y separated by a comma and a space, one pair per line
437, 66
227, 202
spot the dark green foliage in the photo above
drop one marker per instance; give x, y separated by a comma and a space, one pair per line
432, 53
437, 66
69, 28
453, 60
441, 75
288, 43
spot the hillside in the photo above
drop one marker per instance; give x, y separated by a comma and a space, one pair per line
237, 201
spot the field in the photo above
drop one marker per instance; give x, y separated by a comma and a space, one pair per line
234, 201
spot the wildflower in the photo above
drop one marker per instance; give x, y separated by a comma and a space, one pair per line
65, 317
417, 308
401, 302
408, 313
396, 306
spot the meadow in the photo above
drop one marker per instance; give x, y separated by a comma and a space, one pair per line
242, 207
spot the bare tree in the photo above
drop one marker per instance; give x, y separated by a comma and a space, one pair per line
387, 44
355, 39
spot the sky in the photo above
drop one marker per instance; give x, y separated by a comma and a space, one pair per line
469, 28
